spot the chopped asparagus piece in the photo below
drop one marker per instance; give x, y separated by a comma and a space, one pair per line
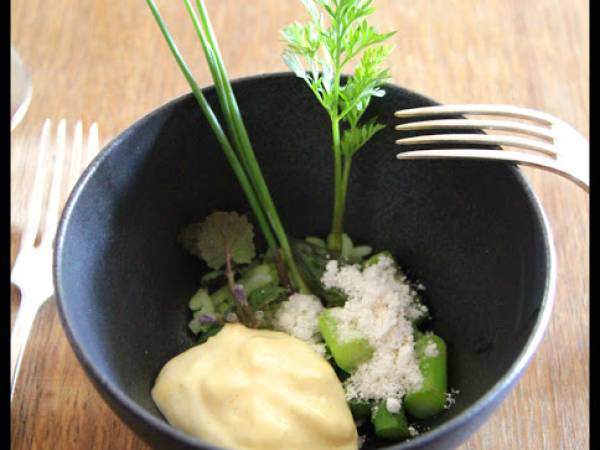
348, 353
430, 398
387, 425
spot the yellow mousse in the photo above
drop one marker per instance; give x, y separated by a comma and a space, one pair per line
247, 389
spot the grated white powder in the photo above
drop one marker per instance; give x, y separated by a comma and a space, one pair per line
319, 347
299, 316
393, 405
412, 431
451, 398
431, 350
380, 307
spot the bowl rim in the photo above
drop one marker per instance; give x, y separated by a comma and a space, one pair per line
491, 398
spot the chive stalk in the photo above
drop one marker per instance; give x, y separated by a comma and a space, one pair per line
240, 155
243, 141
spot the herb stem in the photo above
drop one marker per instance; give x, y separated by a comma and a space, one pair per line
217, 130
345, 182
241, 154
347, 35
335, 244
247, 152
212, 60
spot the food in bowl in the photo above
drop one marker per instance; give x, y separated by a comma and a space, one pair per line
249, 389
335, 300
365, 325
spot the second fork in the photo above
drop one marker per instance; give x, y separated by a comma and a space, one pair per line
32, 270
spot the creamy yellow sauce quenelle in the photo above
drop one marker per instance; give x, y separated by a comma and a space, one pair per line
247, 389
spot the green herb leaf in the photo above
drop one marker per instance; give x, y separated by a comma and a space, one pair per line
210, 332
264, 296
354, 139
359, 253
220, 233
366, 83
202, 322
318, 53
347, 246
212, 278
312, 259
362, 37
201, 301
316, 241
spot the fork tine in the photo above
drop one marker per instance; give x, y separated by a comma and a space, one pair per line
54, 200
497, 110
93, 143
478, 124
472, 153
76, 155
34, 207
484, 139
487, 155
527, 159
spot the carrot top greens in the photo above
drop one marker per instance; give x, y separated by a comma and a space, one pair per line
336, 34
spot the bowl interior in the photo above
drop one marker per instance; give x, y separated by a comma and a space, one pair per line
469, 231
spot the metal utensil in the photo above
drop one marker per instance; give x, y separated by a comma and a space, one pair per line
32, 271
557, 146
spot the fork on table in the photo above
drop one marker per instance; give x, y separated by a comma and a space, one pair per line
557, 146
32, 270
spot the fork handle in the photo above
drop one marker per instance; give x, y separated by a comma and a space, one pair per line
19, 337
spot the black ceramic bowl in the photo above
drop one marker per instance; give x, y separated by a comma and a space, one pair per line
472, 232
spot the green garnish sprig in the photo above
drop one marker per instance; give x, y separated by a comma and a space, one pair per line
244, 311
234, 142
208, 319
220, 236
336, 34
224, 239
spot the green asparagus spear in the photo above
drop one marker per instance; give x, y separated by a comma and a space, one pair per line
392, 426
348, 353
430, 398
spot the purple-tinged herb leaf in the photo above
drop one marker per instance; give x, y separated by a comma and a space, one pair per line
221, 235
239, 294
207, 319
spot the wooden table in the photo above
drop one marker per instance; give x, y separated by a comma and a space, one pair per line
106, 62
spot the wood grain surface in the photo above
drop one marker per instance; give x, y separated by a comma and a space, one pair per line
104, 61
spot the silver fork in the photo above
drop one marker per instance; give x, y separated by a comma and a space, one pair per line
558, 147
32, 271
